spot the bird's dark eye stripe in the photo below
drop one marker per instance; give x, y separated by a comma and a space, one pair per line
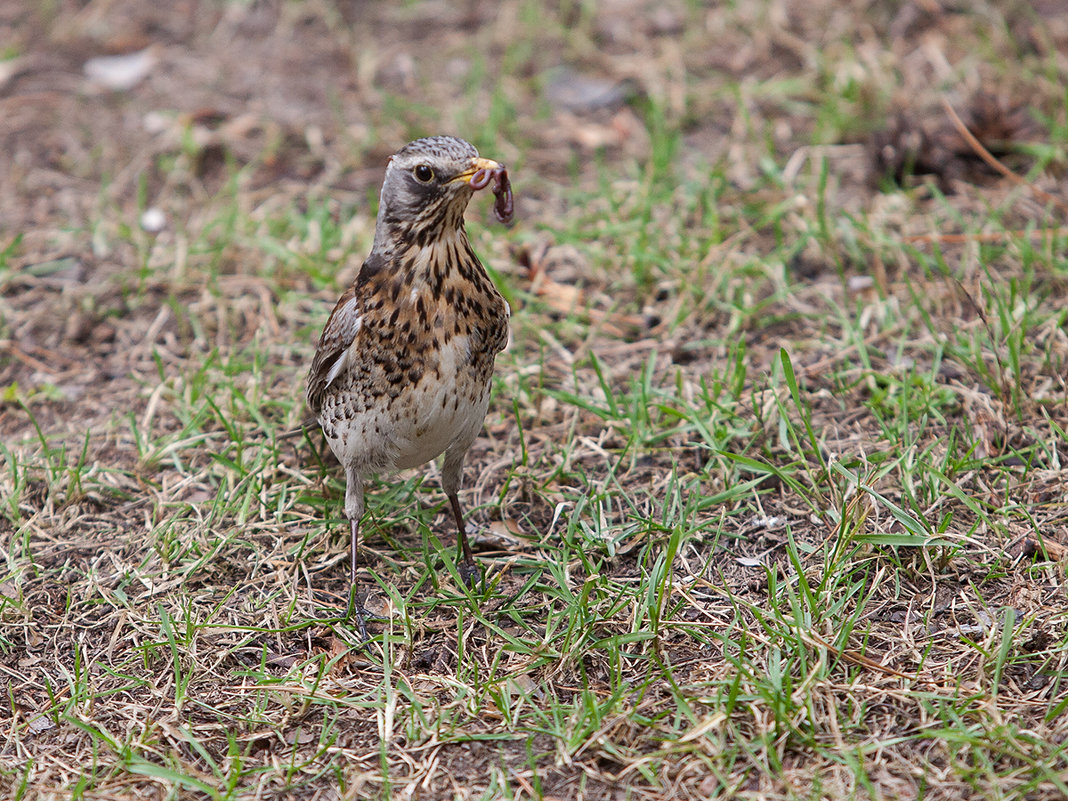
423, 173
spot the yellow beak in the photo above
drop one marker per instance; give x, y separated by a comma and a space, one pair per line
478, 165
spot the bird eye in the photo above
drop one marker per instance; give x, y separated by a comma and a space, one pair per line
423, 173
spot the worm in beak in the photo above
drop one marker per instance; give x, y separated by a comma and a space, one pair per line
497, 174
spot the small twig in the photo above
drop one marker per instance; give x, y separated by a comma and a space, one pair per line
985, 236
852, 656
26, 358
986, 156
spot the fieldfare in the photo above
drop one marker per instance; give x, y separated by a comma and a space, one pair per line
402, 371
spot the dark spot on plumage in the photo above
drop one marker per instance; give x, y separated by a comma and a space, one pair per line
453, 217
438, 276
424, 235
373, 265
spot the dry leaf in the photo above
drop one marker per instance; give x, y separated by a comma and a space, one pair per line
1044, 548
121, 73
502, 535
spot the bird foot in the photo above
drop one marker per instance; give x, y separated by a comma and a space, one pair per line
358, 614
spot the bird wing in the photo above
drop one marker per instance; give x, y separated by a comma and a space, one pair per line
335, 345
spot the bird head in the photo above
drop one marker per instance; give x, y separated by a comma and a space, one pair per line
429, 183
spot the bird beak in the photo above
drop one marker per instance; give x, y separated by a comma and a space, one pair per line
481, 174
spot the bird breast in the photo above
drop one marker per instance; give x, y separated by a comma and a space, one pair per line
414, 379
439, 413
378, 419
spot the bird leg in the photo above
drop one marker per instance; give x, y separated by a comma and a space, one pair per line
354, 512
355, 609
466, 561
451, 472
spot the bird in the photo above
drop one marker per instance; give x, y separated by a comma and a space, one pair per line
402, 370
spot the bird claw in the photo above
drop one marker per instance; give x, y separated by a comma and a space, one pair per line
358, 613
361, 627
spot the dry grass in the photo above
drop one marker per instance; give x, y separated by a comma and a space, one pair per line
772, 494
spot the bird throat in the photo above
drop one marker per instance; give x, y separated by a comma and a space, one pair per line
446, 262
445, 257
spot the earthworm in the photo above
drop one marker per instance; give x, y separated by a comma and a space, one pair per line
503, 206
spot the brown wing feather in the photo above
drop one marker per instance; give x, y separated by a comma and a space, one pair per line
337, 337
340, 331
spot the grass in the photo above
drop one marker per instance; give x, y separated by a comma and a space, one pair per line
755, 489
